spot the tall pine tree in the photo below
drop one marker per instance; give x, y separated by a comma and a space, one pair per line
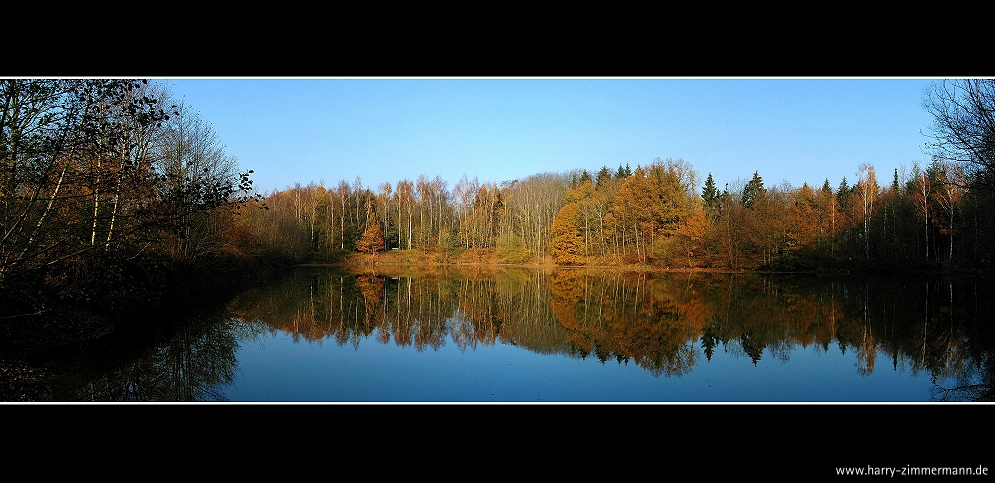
753, 190
710, 195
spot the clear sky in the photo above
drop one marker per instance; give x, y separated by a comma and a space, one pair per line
298, 130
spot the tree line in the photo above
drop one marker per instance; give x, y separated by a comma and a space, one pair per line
656, 215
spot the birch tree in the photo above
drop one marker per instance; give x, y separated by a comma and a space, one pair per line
70, 150
867, 190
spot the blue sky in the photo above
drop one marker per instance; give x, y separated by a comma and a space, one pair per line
299, 130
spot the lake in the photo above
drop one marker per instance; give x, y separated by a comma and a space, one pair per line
319, 334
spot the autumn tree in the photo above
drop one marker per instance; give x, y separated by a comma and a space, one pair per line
691, 232
75, 174
567, 244
651, 205
372, 239
804, 220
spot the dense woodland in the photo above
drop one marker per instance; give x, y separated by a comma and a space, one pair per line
659, 215
113, 189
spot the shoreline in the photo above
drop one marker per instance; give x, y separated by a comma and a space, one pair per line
486, 259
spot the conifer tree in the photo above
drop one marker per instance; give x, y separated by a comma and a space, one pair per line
710, 195
604, 176
753, 190
842, 194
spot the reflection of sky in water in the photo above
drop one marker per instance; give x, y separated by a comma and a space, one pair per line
274, 368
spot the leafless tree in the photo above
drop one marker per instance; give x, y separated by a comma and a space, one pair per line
963, 128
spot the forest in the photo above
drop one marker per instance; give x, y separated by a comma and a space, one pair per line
657, 215
113, 192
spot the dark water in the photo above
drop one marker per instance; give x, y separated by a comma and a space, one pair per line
560, 336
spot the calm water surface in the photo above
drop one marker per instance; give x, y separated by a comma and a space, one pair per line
321, 335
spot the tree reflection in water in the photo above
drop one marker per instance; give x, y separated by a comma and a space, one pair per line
665, 323
188, 358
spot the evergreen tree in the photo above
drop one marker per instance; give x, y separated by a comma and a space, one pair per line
603, 176
753, 190
623, 173
826, 188
710, 195
843, 194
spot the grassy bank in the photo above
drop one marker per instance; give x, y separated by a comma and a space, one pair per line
485, 260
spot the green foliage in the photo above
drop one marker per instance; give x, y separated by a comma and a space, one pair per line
843, 194
666, 253
623, 173
710, 196
511, 249
753, 190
